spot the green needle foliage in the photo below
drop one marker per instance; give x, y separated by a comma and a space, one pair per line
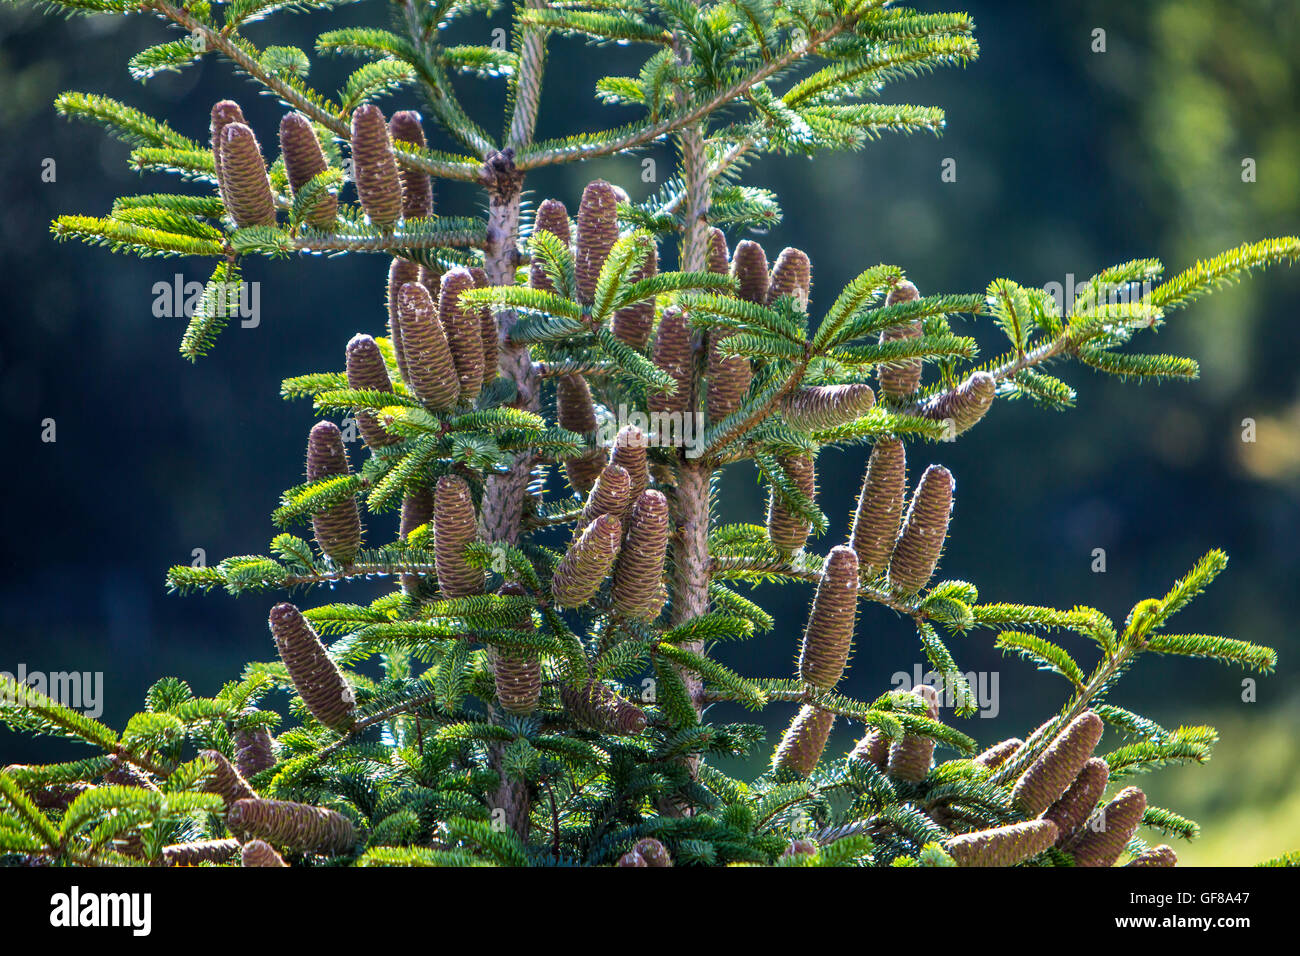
542, 681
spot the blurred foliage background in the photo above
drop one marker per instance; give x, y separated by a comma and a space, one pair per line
1067, 160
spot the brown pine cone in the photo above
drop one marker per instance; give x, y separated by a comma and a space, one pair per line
315, 676
292, 826
880, 507
337, 527
828, 637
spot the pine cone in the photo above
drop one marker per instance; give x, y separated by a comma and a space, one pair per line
455, 527
916, 553
998, 754
223, 114
829, 635
900, 379
244, 181
337, 527
611, 495
880, 507
1002, 846
430, 370
225, 780
729, 377
293, 826
653, 852
464, 331
804, 740
599, 708
1074, 807
718, 256
1105, 836
400, 272
749, 269
1162, 855
260, 853
123, 774
367, 371
787, 530
417, 508
597, 233
417, 187
632, 858
964, 405
551, 217
909, 758
315, 676
517, 672
673, 354
254, 751
487, 324
303, 161
201, 851
576, 411
629, 453
587, 563
632, 323
825, 406
873, 748
799, 848
638, 576
792, 275
1043, 783
375, 168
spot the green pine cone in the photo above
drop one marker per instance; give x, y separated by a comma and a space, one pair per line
1104, 837
430, 370
638, 591
828, 637
551, 217
900, 379
366, 370
804, 740
464, 330
1048, 777
787, 530
225, 780
303, 161
1002, 846
824, 406
1074, 807
597, 233
880, 507
337, 527
292, 826
315, 676
455, 528
417, 187
919, 544
598, 707
244, 181
910, 757
587, 563
260, 853
379, 187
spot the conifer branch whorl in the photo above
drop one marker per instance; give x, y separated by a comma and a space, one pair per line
965, 405
517, 672
804, 740
366, 370
379, 187
551, 217
598, 707
824, 406
1074, 807
338, 526
315, 676
597, 233
400, 272
464, 330
880, 507
292, 826
1002, 846
1048, 777
673, 354
638, 591
260, 853
900, 379
632, 323
455, 528
430, 370
575, 410
629, 453
417, 188
828, 637
1105, 836
916, 553
245, 183
787, 530
201, 851
999, 753
225, 780
718, 258
254, 751
909, 758
587, 563
487, 330
303, 161
1162, 855
611, 495
792, 276
873, 748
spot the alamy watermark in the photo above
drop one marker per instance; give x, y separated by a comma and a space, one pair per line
78, 690
1130, 293
983, 687
228, 300
660, 429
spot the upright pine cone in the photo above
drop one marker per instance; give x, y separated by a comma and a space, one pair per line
673, 354
400, 272
964, 405
517, 672
1162, 855
379, 187
464, 330
430, 370
804, 740
916, 553
417, 509
366, 370
315, 676
788, 531
792, 276
122, 774
828, 637
998, 754
909, 758
824, 406
901, 379
260, 853
244, 182
551, 217
225, 780
417, 187
632, 323
1002, 846
638, 577
1046, 779
337, 527
223, 114
587, 563
749, 269
880, 507
1104, 838
729, 377
576, 411
629, 453
303, 161
872, 748
201, 851
611, 495
293, 826
1074, 807
487, 331
719, 259
597, 233
455, 527
598, 707
254, 751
